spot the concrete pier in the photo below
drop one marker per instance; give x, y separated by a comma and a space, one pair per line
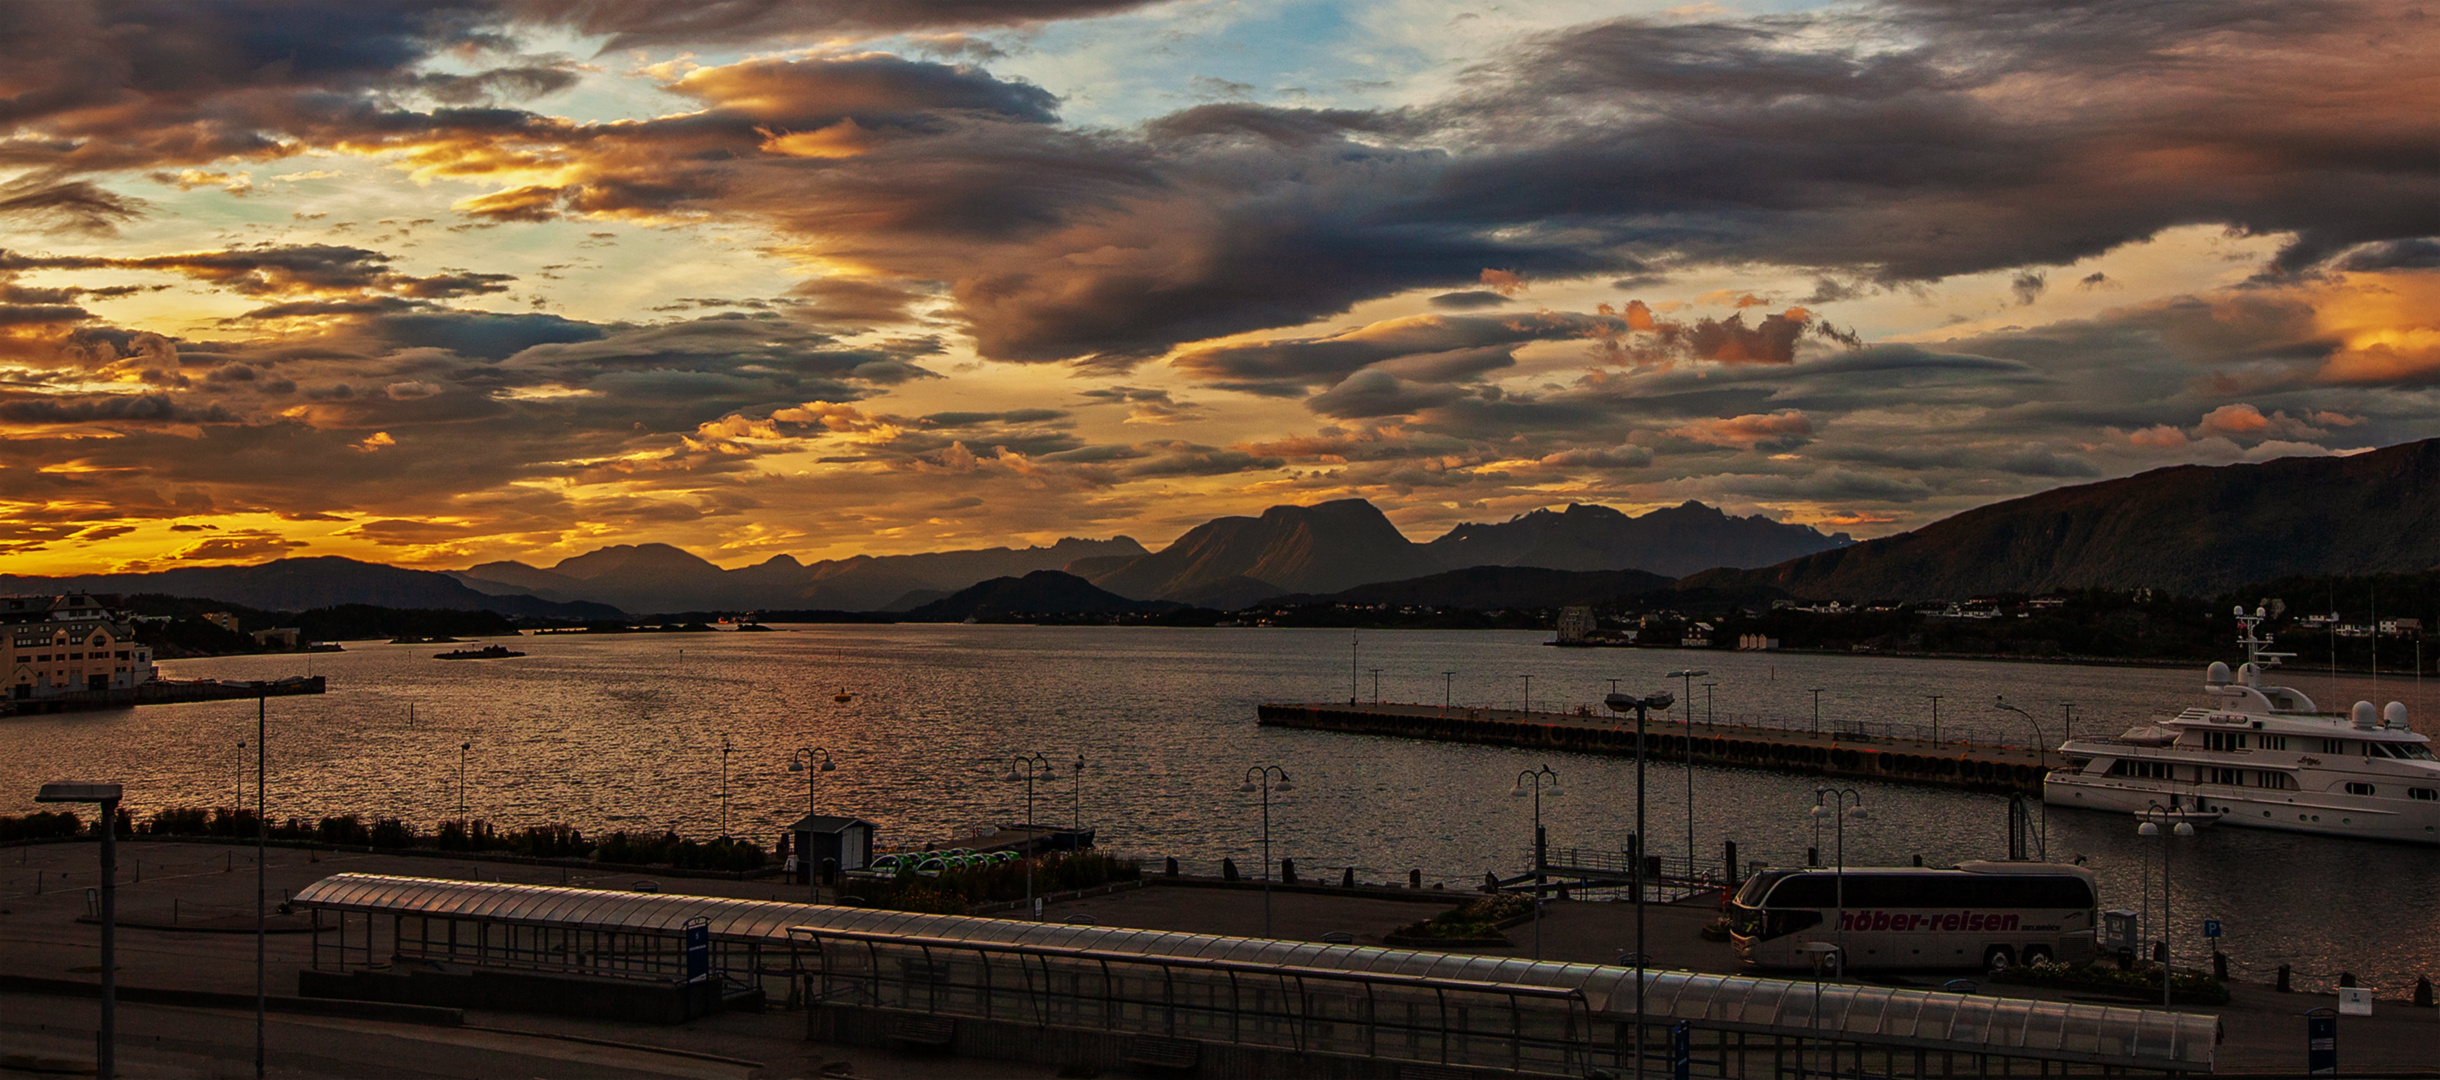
1950, 764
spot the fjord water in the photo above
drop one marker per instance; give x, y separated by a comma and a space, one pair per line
626, 732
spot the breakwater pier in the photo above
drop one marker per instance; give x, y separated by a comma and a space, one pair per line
1852, 754
164, 692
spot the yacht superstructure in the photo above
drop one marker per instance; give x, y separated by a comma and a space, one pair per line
2266, 757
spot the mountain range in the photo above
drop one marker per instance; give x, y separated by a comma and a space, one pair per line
317, 582
2190, 529
658, 577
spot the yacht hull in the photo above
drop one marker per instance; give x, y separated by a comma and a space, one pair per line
2318, 812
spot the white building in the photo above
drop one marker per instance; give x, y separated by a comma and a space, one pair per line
73, 643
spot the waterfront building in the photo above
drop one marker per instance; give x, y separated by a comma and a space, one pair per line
70, 644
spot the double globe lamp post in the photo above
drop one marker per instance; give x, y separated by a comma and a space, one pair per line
1620, 703
1536, 782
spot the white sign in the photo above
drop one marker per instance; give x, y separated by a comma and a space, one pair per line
2355, 1001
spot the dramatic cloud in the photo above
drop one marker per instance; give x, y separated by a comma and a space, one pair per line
789, 277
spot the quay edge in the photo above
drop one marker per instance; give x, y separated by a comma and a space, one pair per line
1956, 765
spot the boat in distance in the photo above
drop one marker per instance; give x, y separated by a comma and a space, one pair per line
487, 652
2263, 757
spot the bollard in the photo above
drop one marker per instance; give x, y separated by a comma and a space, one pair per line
1348, 879
1414, 879
2346, 978
2284, 988
2423, 992
2219, 965
1170, 867
1228, 869
1287, 871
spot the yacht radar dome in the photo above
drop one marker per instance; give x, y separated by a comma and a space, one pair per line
2395, 715
2366, 717
2218, 675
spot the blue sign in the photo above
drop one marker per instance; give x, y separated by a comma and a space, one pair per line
2321, 1043
1681, 1050
2211, 928
698, 952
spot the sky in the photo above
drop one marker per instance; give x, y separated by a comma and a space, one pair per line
434, 284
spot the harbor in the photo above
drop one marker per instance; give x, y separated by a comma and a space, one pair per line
1852, 754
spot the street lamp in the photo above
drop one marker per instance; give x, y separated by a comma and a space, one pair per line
1620, 703
1528, 693
1448, 688
1539, 779
464, 748
724, 785
1689, 676
1935, 719
2067, 712
262, 884
803, 761
2153, 816
1078, 824
1817, 710
106, 798
1838, 810
1026, 768
1262, 774
2042, 745
1376, 674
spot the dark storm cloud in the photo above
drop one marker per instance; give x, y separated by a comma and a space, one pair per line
278, 270
633, 23
134, 408
2417, 254
1916, 140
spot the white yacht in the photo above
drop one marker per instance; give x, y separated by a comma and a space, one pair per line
2264, 756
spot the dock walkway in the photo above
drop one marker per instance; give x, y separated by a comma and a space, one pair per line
1949, 763
163, 692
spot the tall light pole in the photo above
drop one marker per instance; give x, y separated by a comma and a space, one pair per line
2067, 713
1528, 693
2042, 746
1376, 674
1537, 780
1817, 710
240, 805
1448, 688
1262, 774
803, 761
2153, 816
1839, 809
1026, 767
724, 785
1935, 698
1688, 676
262, 884
106, 799
1078, 824
1620, 703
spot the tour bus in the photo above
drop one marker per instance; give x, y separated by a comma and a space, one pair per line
1981, 914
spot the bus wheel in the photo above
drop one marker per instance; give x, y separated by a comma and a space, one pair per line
1998, 958
2035, 954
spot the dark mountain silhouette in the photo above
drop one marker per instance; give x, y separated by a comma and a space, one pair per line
304, 584
2191, 529
1486, 588
1043, 592
1305, 549
659, 578
1675, 541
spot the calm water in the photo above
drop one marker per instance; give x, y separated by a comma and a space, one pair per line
627, 732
